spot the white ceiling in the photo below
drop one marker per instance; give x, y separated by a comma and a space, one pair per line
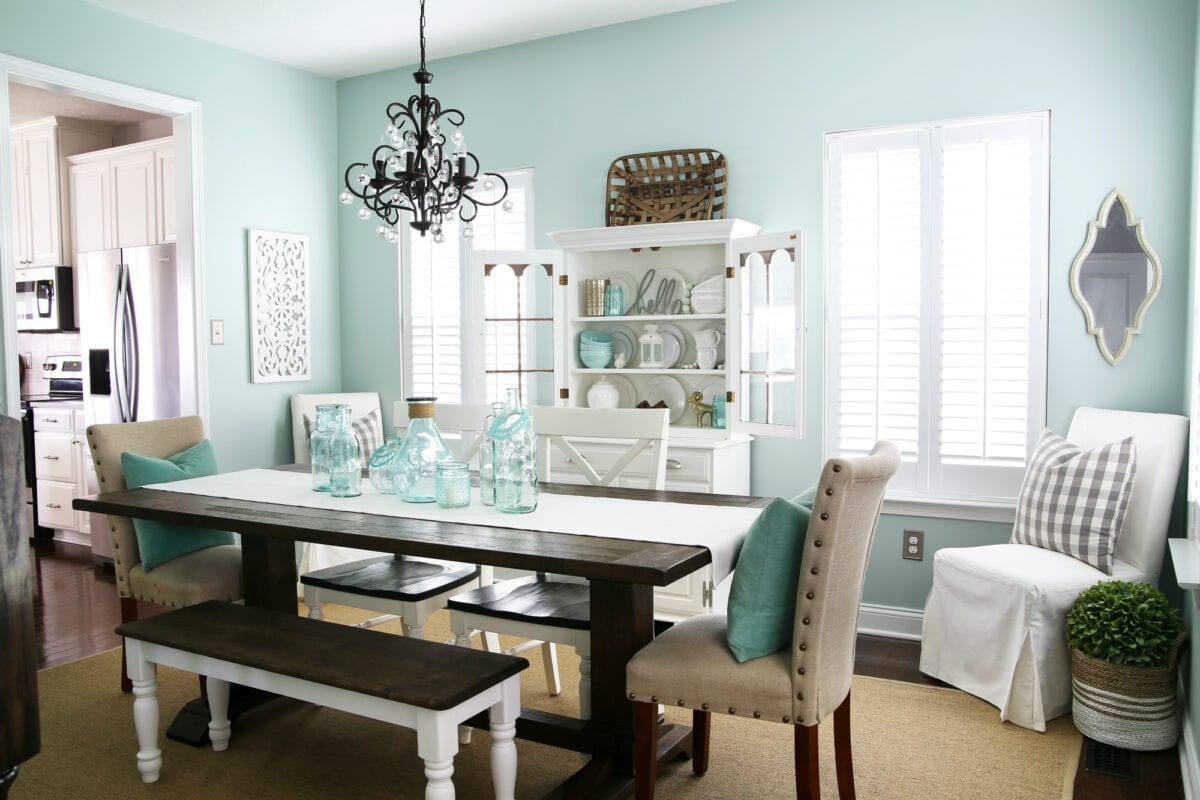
342, 38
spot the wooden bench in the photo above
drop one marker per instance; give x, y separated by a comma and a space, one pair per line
425, 686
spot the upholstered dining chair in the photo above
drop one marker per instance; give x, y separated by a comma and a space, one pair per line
691, 665
552, 609
995, 618
214, 573
403, 586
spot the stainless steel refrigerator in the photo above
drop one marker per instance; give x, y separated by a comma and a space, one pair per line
129, 328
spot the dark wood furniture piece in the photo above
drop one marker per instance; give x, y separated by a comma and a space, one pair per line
622, 574
421, 685
20, 731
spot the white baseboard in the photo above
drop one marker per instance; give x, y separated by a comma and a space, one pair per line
1189, 759
73, 537
891, 621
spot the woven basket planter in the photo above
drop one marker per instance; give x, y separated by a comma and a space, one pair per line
1124, 705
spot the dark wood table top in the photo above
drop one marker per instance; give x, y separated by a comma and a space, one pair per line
591, 557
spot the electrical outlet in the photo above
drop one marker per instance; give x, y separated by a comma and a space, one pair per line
217, 331
914, 545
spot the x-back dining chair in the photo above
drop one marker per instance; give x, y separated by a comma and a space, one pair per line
691, 664
404, 586
213, 573
554, 609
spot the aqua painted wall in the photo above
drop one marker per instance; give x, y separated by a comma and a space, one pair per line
763, 81
269, 142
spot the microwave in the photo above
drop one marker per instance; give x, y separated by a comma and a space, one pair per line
45, 299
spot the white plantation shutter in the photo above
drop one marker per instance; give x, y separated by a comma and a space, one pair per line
937, 258
441, 324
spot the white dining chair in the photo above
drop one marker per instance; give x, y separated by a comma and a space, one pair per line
405, 586
556, 609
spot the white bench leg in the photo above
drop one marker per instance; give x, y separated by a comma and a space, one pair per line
550, 663
218, 712
462, 638
145, 710
314, 603
436, 745
503, 724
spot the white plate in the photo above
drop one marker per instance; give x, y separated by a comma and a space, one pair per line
679, 350
624, 389
651, 295
628, 289
623, 341
668, 390
708, 295
709, 388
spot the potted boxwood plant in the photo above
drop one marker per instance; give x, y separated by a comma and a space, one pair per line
1125, 642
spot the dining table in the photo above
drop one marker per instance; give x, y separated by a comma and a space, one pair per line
621, 570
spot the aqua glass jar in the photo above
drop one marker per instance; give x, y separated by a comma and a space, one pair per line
414, 468
345, 458
487, 459
380, 466
452, 484
318, 444
515, 449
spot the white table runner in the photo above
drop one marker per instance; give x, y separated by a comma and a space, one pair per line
719, 528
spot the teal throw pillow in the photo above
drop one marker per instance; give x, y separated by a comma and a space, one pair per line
806, 498
160, 542
762, 599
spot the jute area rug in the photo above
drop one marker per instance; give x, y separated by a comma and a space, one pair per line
910, 741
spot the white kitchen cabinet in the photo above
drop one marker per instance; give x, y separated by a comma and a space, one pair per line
39, 190
164, 172
63, 469
124, 196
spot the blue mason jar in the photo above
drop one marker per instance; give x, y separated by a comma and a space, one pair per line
318, 444
345, 458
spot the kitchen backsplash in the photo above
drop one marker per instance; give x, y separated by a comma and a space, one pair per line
34, 347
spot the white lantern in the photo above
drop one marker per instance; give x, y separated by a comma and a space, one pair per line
651, 348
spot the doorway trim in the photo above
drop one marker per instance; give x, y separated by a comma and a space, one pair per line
186, 128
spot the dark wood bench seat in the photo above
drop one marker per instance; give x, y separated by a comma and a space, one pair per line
421, 685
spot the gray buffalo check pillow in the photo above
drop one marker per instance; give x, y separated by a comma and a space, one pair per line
1074, 502
368, 429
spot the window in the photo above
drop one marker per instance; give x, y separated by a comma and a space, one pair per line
441, 317
935, 288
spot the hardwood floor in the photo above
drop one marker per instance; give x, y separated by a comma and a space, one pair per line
76, 610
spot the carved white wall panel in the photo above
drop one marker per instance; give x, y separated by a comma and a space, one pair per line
280, 331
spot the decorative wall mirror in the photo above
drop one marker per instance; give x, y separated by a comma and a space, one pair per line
1115, 276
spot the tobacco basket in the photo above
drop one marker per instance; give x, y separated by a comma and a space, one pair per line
666, 186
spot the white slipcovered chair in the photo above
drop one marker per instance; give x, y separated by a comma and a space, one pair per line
995, 618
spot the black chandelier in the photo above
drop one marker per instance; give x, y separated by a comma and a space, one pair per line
409, 170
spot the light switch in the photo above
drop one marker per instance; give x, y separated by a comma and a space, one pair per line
217, 327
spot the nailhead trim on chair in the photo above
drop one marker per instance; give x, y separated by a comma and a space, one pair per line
785, 719
632, 696
732, 710
813, 570
803, 647
681, 701
653, 698
757, 715
704, 706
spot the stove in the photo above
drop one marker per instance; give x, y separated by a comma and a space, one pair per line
65, 376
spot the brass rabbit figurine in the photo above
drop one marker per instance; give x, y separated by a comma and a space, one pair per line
700, 408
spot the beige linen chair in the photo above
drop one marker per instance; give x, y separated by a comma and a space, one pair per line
214, 573
691, 664
553, 610
995, 617
402, 586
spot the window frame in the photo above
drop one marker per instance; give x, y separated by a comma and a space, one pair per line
472, 365
930, 499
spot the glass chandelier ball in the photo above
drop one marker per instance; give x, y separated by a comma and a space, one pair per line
436, 229
391, 130
393, 162
507, 205
434, 129
410, 140
345, 198
364, 214
392, 237
363, 178
382, 231
457, 139
439, 238
468, 232
396, 196
489, 184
